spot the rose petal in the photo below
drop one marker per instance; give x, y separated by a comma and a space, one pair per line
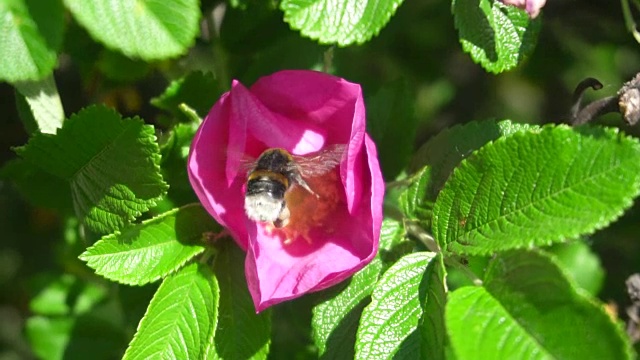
302, 112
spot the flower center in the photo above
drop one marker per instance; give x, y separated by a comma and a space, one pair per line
312, 212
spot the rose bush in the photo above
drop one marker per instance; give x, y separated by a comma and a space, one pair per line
328, 237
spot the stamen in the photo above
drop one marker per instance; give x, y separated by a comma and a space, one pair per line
311, 210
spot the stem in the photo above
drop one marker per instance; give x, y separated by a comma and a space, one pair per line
207, 256
220, 55
579, 93
398, 183
628, 18
220, 63
404, 182
327, 63
428, 240
465, 270
424, 237
595, 109
393, 212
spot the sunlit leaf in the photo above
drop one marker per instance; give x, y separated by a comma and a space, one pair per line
30, 38
241, 333
389, 324
529, 309
151, 250
498, 37
144, 29
198, 90
581, 264
112, 165
43, 102
344, 23
537, 188
181, 317
433, 299
335, 320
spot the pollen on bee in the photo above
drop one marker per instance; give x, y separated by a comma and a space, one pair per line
309, 211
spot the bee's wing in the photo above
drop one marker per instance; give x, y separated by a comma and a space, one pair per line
321, 162
247, 164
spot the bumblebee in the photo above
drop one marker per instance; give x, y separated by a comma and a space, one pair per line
275, 172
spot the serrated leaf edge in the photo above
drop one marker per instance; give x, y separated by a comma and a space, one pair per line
86, 257
329, 40
404, 262
473, 250
467, 47
153, 300
146, 130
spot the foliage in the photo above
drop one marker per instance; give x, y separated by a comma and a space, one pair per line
501, 238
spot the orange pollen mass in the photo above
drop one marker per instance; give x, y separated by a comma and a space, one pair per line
310, 212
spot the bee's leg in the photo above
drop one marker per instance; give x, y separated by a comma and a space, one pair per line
283, 218
297, 178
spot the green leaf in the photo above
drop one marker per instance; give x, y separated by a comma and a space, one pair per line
26, 114
64, 295
581, 264
32, 35
537, 188
94, 329
388, 326
241, 333
52, 299
448, 148
391, 122
393, 243
175, 151
335, 320
498, 37
473, 269
414, 201
48, 337
151, 250
432, 301
111, 163
435, 160
181, 317
44, 104
198, 90
528, 308
344, 23
149, 29
84, 337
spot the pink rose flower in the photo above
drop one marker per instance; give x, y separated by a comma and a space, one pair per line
329, 236
533, 7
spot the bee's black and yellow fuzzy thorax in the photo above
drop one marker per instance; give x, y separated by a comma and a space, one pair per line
273, 165
277, 160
